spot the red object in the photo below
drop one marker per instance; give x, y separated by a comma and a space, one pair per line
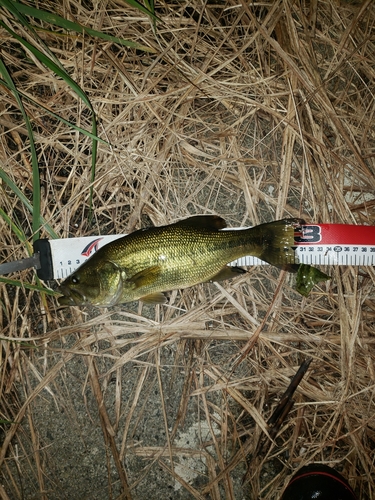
335, 234
318, 482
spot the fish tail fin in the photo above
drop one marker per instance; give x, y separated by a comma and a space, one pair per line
276, 241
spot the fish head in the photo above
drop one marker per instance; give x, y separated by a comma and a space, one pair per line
98, 285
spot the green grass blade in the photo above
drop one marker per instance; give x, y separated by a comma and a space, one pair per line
29, 286
2, 421
11, 6
142, 8
15, 228
8, 181
51, 65
150, 5
61, 22
73, 85
34, 159
94, 155
58, 117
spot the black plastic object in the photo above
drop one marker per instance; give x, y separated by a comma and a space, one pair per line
43, 248
318, 482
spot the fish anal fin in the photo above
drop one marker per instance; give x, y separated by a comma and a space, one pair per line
145, 277
291, 268
228, 272
203, 222
154, 298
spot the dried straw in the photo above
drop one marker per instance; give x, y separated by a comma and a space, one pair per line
253, 111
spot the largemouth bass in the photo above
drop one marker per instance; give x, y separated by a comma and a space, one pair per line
145, 264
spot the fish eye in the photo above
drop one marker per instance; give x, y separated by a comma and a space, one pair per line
75, 279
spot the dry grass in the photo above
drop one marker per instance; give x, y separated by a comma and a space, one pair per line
251, 111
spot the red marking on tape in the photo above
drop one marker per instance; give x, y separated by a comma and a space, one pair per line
91, 247
335, 234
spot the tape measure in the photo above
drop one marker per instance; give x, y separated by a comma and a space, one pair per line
331, 244
315, 244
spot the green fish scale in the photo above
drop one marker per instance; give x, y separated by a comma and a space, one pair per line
175, 256
185, 257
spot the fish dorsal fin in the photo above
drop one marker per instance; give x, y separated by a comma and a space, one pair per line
203, 222
145, 277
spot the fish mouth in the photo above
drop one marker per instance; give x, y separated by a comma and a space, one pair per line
71, 297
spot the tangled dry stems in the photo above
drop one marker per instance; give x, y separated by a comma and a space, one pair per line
251, 111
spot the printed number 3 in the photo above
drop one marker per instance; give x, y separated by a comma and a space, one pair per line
310, 234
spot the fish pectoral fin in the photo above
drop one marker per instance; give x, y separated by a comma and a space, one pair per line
203, 222
145, 277
227, 273
154, 298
